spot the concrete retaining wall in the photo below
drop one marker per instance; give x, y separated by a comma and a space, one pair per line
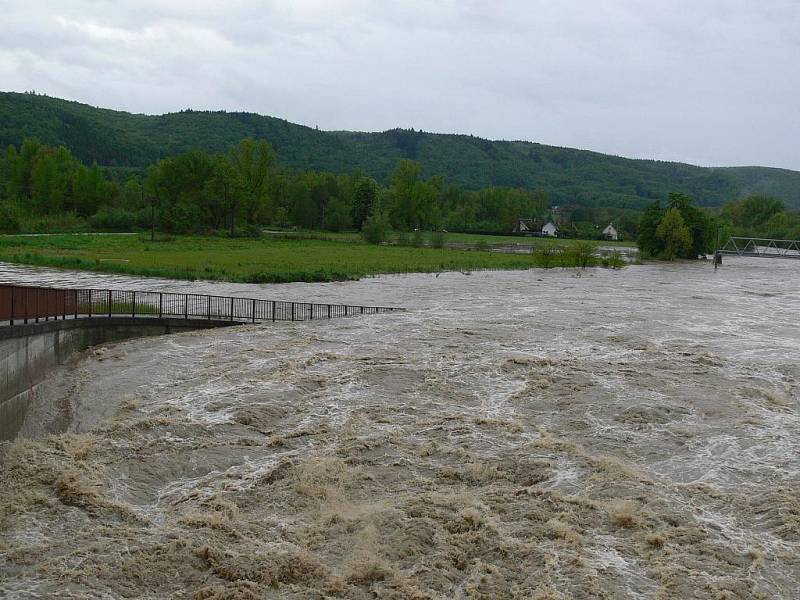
29, 352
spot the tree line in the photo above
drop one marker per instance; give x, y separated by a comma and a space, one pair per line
46, 188
240, 192
679, 229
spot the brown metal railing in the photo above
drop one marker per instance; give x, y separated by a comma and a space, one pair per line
26, 303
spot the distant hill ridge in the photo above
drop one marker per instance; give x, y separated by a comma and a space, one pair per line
122, 141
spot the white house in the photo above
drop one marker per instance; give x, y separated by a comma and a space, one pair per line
550, 229
610, 232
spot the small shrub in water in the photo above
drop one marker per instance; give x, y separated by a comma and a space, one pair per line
581, 253
614, 260
547, 255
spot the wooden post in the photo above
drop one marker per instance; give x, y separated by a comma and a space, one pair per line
133, 310
231, 309
254, 310
186, 306
160, 305
109, 303
90, 304
208, 306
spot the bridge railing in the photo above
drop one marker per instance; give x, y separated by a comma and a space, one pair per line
27, 303
766, 247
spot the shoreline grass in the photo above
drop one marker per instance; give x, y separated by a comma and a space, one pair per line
262, 260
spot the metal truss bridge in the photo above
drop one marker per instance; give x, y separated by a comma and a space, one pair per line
761, 247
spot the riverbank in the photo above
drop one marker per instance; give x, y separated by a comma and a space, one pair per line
276, 258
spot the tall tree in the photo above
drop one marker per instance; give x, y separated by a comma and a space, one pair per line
674, 233
365, 195
252, 164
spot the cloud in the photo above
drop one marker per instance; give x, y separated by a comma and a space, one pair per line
711, 82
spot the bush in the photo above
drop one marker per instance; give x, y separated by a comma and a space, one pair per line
581, 253
547, 255
182, 217
61, 223
375, 228
10, 218
613, 260
113, 219
337, 216
249, 230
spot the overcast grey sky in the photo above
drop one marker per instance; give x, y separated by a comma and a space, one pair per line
711, 82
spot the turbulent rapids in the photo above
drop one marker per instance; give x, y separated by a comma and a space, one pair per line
630, 434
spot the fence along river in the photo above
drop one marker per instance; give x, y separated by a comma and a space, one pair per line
21, 304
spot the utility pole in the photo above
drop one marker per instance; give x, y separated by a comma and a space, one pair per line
152, 215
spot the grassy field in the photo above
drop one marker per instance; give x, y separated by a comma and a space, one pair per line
272, 259
458, 239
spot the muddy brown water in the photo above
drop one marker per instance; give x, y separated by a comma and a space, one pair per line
534, 434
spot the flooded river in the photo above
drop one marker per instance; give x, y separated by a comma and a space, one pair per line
619, 434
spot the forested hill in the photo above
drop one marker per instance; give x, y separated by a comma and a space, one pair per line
124, 141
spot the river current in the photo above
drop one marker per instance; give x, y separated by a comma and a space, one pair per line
527, 434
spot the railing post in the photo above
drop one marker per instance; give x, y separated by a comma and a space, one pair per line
90, 304
25, 303
133, 310
311, 318
186, 306
160, 305
36, 306
292, 311
254, 310
109, 303
12, 305
362, 310
273, 311
76, 304
231, 309
329, 311
208, 307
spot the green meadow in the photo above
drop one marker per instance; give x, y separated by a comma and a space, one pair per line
270, 259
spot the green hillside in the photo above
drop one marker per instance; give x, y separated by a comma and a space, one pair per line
122, 142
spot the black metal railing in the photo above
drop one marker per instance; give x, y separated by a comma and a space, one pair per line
27, 303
